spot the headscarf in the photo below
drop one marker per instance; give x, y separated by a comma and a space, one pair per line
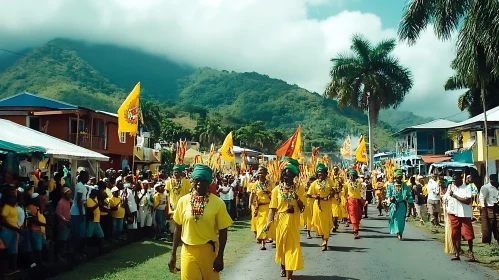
202, 171
262, 167
320, 166
352, 171
398, 172
292, 165
179, 167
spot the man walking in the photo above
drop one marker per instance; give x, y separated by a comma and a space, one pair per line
489, 212
433, 202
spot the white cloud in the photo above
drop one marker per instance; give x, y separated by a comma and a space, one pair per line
274, 37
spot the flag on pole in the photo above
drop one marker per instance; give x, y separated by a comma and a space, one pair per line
292, 147
361, 152
226, 149
346, 148
128, 113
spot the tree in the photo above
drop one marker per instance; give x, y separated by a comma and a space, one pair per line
477, 23
152, 118
209, 130
370, 80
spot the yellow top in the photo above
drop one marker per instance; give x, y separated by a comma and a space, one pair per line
92, 203
323, 188
157, 199
354, 189
116, 201
277, 202
177, 189
205, 229
9, 214
258, 188
51, 185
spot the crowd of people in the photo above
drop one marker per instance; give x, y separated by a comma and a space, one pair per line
195, 206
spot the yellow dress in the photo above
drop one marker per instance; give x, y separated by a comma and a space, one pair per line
322, 220
252, 205
306, 216
288, 249
177, 189
263, 200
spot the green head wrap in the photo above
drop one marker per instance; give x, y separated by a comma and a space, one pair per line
292, 165
398, 173
179, 167
320, 167
352, 171
202, 172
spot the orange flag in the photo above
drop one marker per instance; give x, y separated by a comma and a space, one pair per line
292, 146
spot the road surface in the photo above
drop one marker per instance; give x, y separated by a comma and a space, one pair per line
377, 255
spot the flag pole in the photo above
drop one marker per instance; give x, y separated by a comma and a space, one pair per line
133, 154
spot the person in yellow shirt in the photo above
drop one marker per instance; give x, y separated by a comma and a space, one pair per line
160, 204
309, 209
177, 187
201, 222
261, 191
93, 217
117, 212
323, 192
287, 204
10, 231
355, 204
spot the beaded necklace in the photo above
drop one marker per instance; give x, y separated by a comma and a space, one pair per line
177, 186
263, 186
322, 185
287, 192
198, 203
353, 185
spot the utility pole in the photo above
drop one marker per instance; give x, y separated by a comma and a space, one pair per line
371, 140
485, 134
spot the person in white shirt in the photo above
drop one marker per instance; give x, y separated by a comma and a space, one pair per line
433, 202
77, 211
225, 191
489, 212
458, 198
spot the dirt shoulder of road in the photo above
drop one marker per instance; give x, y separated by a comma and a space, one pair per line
485, 254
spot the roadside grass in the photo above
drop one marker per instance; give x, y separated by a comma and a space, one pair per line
484, 253
149, 259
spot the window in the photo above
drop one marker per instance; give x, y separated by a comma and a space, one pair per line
73, 125
430, 141
34, 123
99, 128
123, 137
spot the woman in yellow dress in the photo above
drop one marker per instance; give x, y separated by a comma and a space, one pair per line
285, 207
261, 191
322, 191
355, 204
307, 214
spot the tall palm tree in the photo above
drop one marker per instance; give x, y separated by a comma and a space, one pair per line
477, 23
211, 131
371, 79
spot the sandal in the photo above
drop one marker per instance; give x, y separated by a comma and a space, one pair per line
263, 248
399, 236
309, 237
471, 257
283, 272
324, 248
356, 236
455, 258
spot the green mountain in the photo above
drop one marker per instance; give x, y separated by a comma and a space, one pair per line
99, 76
402, 119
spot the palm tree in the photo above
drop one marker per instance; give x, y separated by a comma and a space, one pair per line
477, 23
152, 114
371, 79
211, 131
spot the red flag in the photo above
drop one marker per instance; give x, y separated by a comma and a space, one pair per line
287, 149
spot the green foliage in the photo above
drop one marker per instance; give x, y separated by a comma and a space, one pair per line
399, 120
167, 160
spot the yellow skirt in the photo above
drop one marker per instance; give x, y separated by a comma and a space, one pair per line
288, 249
261, 221
253, 219
448, 246
322, 218
306, 216
335, 208
197, 262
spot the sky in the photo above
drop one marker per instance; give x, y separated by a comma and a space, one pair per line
292, 40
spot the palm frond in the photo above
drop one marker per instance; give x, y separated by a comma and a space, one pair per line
361, 47
454, 83
384, 48
447, 15
416, 17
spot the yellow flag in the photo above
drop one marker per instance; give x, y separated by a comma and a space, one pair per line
297, 152
361, 152
346, 149
226, 150
128, 113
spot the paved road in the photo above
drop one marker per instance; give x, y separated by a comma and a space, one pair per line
377, 255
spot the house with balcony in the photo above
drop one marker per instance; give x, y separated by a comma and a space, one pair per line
469, 142
85, 127
419, 146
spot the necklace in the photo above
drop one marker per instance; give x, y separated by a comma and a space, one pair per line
177, 186
198, 203
322, 185
287, 192
263, 186
353, 185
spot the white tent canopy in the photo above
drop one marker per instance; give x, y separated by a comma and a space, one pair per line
18, 134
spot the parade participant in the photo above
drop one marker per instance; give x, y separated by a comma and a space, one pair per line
354, 201
369, 194
201, 222
380, 195
419, 198
309, 208
285, 207
323, 192
398, 193
458, 197
433, 202
177, 187
489, 212
261, 191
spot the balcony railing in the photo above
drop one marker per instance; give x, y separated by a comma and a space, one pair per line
84, 141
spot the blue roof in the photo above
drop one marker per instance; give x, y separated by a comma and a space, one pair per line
26, 99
